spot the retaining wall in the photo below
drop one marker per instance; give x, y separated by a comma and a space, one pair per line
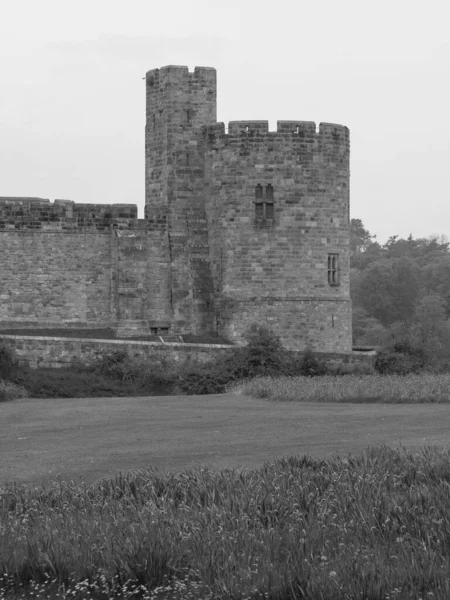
56, 352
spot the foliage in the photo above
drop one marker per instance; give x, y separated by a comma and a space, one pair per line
310, 365
371, 526
401, 297
11, 391
8, 362
395, 389
146, 375
263, 355
73, 383
388, 290
119, 374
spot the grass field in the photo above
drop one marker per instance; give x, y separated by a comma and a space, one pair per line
375, 526
98, 437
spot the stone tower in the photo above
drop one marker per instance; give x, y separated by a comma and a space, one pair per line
257, 221
179, 104
278, 216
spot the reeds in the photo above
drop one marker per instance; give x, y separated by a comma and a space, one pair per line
350, 388
375, 526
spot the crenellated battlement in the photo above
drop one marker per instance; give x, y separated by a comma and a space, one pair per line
294, 129
179, 74
63, 215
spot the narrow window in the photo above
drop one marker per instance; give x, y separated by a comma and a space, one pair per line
187, 159
333, 269
269, 210
264, 207
259, 199
189, 115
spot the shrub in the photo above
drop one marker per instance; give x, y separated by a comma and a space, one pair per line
400, 360
8, 362
311, 366
11, 391
71, 383
150, 375
263, 355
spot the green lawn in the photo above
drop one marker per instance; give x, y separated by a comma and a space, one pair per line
94, 438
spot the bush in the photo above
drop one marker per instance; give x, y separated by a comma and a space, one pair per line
399, 359
72, 383
11, 391
310, 366
8, 362
141, 372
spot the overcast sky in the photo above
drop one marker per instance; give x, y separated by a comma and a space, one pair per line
72, 97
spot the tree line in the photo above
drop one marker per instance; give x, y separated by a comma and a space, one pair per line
401, 299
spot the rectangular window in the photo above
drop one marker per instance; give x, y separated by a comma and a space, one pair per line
269, 211
333, 269
264, 205
259, 210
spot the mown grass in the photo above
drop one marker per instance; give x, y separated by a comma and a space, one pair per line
371, 527
350, 388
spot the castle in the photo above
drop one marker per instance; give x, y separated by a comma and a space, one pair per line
244, 226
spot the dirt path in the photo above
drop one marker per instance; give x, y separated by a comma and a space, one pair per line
98, 437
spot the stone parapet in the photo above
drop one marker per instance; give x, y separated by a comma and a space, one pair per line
63, 215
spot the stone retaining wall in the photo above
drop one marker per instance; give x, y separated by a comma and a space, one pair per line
56, 352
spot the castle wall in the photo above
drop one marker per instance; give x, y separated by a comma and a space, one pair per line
55, 279
57, 352
275, 270
56, 262
213, 254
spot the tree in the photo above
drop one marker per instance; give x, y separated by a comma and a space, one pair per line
363, 248
388, 289
360, 238
436, 279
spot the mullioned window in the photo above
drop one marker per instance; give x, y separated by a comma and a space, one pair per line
333, 269
264, 204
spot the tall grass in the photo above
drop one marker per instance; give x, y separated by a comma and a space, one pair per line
372, 527
350, 388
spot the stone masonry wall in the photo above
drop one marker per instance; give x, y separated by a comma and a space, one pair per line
275, 270
179, 103
57, 262
55, 279
48, 352
51, 352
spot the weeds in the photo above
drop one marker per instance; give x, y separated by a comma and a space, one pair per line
350, 388
375, 526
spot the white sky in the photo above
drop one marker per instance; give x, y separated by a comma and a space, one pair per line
72, 98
